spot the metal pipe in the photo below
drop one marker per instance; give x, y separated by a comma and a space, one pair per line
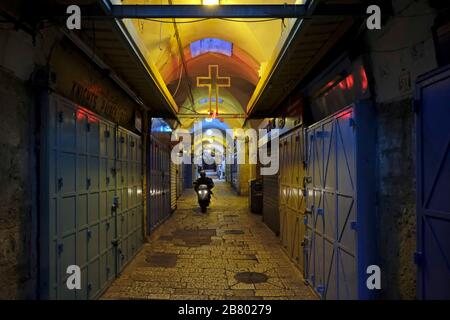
200, 11
235, 11
205, 115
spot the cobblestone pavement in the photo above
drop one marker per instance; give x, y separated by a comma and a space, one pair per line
227, 253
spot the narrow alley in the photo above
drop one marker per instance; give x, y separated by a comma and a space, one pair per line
227, 253
324, 125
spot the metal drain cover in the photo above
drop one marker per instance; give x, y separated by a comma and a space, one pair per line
162, 260
251, 277
234, 232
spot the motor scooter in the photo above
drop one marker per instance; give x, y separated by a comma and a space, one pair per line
204, 197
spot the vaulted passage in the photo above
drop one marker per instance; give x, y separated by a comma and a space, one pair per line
323, 127
227, 254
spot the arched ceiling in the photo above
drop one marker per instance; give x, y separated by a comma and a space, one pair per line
253, 45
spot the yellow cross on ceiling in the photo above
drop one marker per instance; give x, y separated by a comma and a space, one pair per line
213, 82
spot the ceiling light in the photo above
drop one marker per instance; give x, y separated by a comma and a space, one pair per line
210, 2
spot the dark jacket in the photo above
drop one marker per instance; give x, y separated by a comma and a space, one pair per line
206, 180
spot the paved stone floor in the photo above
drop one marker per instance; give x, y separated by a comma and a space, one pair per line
227, 253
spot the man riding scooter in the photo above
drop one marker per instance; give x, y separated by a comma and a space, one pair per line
202, 187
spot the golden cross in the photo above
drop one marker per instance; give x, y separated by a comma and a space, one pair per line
213, 81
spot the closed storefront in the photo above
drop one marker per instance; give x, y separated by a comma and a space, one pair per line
180, 175
91, 193
340, 212
173, 186
159, 186
433, 184
271, 216
291, 197
188, 175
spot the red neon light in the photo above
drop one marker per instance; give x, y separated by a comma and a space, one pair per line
80, 115
344, 115
213, 114
350, 81
342, 85
83, 113
365, 81
92, 118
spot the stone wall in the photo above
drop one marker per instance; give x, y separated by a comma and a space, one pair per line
243, 173
397, 199
17, 246
400, 52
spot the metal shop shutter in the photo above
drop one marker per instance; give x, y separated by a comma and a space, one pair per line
173, 186
433, 185
187, 174
271, 216
228, 173
340, 225
180, 175
129, 193
234, 174
80, 197
159, 184
292, 201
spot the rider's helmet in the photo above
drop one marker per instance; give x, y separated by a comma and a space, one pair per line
202, 173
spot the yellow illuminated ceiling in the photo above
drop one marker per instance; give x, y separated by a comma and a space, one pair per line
255, 44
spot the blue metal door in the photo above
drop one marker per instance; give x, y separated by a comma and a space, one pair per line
159, 208
187, 173
91, 199
129, 192
330, 242
433, 186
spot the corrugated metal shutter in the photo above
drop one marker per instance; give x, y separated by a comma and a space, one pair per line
180, 176
91, 199
228, 173
159, 191
128, 173
173, 186
271, 214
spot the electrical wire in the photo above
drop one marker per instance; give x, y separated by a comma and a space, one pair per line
190, 109
180, 75
250, 21
400, 48
180, 22
204, 19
